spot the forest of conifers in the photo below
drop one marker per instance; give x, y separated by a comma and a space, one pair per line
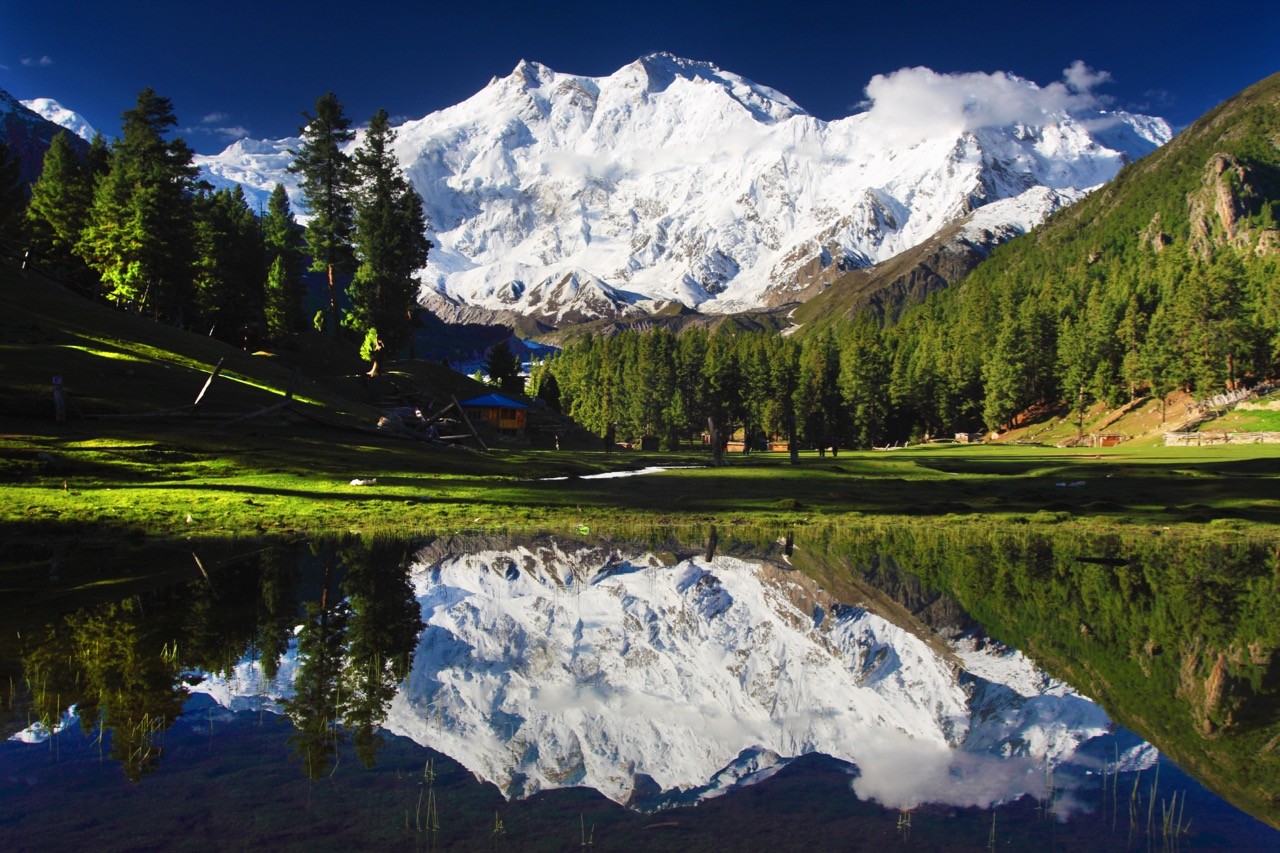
1167, 279
133, 224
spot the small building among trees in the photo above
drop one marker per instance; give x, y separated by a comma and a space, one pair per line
499, 412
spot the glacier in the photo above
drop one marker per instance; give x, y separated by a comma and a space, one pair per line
549, 665
568, 197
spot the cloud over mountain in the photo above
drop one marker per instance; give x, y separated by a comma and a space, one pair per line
911, 105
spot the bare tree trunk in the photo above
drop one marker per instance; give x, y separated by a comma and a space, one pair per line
791, 438
717, 453
333, 304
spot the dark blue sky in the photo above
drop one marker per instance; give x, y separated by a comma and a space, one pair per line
256, 65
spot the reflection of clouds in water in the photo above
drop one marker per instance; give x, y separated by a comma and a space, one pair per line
901, 772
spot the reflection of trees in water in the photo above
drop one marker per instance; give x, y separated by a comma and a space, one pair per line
352, 655
277, 608
1177, 636
314, 708
122, 673
121, 664
381, 637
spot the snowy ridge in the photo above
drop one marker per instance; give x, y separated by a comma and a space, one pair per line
61, 116
675, 180
543, 668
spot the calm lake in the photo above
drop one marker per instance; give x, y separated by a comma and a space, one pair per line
879, 689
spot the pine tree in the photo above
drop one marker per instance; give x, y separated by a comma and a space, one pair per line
1073, 361
13, 196
139, 237
229, 265
60, 200
818, 390
389, 241
503, 368
283, 241
326, 185
1005, 375
864, 382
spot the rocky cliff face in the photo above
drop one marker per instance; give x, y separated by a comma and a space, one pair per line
1230, 193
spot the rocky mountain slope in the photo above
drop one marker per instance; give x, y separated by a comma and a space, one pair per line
55, 112
28, 135
567, 198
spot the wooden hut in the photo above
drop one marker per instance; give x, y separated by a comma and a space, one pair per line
499, 412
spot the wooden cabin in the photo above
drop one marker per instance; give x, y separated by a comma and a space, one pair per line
499, 412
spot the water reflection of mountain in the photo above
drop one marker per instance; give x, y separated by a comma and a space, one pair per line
659, 681
663, 674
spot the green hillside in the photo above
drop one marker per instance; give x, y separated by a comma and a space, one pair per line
1167, 278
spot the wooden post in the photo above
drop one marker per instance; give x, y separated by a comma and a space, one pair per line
59, 401
467, 421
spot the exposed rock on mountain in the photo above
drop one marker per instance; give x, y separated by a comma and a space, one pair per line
567, 198
29, 135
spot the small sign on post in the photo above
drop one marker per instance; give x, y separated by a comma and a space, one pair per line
59, 401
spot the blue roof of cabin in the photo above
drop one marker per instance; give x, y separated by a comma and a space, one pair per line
495, 400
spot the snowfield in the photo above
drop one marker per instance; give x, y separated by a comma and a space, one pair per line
569, 197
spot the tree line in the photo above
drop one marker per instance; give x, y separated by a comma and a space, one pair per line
977, 357
132, 223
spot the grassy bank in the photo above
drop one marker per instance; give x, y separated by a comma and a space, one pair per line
113, 468
181, 482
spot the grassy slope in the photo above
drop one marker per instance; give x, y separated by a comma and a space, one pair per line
150, 476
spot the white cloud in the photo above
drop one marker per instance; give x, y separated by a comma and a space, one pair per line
40, 62
229, 132
214, 118
914, 104
900, 772
1082, 78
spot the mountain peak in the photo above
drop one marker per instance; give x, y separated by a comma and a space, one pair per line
530, 73
55, 112
672, 180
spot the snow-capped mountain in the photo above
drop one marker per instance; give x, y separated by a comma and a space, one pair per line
28, 135
570, 197
61, 116
548, 666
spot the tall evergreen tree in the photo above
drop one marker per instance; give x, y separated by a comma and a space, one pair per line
503, 367
818, 389
389, 242
326, 185
864, 382
13, 197
229, 265
60, 200
283, 241
140, 236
